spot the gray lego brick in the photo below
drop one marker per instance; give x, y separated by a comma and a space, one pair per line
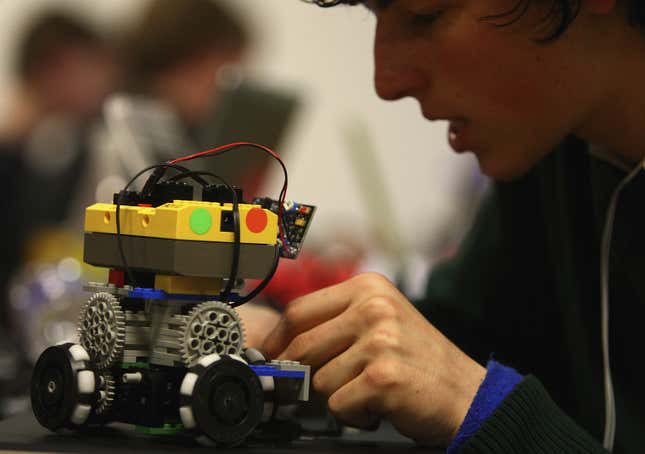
95, 287
136, 330
138, 352
296, 366
131, 355
178, 257
137, 334
165, 359
134, 357
171, 333
136, 318
167, 343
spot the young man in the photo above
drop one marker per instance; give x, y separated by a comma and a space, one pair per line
547, 94
173, 57
64, 69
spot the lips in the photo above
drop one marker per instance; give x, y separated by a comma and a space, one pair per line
457, 136
457, 131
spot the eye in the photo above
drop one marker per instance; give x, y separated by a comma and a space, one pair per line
422, 20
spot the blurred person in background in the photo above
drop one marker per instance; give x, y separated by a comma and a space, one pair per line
64, 71
187, 91
176, 49
175, 54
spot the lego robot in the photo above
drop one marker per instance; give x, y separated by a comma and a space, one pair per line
161, 345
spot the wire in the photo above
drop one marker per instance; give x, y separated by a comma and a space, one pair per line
161, 168
236, 253
235, 262
255, 292
235, 145
610, 404
119, 201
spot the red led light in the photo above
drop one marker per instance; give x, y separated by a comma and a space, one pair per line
256, 220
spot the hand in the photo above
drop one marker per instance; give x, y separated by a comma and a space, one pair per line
259, 321
375, 356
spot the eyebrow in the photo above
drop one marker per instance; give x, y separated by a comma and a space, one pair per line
378, 4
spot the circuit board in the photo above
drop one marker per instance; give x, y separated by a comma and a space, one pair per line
296, 218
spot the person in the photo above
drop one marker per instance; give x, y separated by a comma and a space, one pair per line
187, 90
547, 95
172, 57
176, 65
173, 65
64, 69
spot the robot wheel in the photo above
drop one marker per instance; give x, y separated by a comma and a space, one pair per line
222, 398
63, 387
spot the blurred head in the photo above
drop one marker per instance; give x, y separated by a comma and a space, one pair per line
513, 77
66, 65
177, 48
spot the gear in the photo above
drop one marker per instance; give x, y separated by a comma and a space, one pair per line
102, 329
211, 327
106, 392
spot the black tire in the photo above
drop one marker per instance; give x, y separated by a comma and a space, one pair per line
56, 396
227, 401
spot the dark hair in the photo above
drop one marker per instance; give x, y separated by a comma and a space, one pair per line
173, 31
561, 14
48, 34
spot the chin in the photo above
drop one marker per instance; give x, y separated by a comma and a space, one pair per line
502, 169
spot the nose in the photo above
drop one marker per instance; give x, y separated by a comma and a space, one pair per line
396, 70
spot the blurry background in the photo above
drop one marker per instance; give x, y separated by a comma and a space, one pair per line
391, 195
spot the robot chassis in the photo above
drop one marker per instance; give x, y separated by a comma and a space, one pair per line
161, 346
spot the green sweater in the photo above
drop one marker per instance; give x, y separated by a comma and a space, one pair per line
525, 287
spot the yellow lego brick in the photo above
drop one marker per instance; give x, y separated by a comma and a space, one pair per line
184, 285
185, 220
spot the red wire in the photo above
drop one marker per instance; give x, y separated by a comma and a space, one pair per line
226, 147
223, 148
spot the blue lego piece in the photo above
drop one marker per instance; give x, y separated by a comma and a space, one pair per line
154, 294
148, 294
271, 371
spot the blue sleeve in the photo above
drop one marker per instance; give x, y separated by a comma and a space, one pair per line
498, 383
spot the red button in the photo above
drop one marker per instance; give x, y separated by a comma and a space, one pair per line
117, 278
256, 220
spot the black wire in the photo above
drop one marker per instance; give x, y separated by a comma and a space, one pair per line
118, 213
235, 263
186, 173
252, 145
264, 283
194, 175
276, 257
283, 192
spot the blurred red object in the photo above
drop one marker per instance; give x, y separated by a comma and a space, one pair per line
307, 274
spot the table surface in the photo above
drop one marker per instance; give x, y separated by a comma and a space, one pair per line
23, 434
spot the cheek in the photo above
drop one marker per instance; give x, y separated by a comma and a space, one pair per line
512, 91
499, 76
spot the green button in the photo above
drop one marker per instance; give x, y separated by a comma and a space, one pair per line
200, 221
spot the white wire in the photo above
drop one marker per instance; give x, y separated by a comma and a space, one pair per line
610, 404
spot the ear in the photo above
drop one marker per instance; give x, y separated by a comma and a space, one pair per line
599, 6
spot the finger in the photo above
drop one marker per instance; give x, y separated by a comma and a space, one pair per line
306, 312
356, 404
339, 371
314, 309
323, 342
